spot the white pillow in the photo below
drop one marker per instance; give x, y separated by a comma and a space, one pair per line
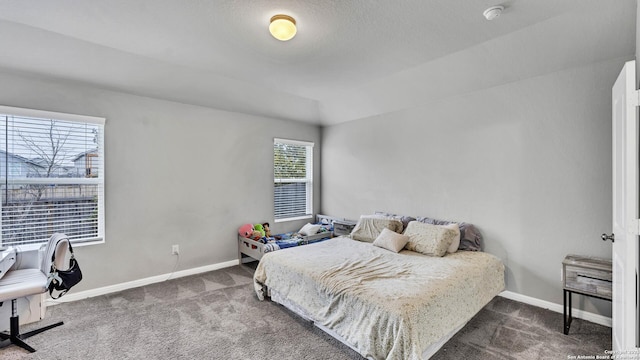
456, 240
370, 226
391, 240
309, 229
428, 239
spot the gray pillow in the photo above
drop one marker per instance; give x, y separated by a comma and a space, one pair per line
470, 237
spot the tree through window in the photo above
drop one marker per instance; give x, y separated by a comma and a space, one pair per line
52, 176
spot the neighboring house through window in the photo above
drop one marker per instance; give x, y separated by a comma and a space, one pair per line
84, 163
51, 176
293, 179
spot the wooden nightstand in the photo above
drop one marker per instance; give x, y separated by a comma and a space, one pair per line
587, 276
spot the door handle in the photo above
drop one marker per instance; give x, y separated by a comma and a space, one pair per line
606, 237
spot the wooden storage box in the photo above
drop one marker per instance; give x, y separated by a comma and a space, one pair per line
343, 227
587, 275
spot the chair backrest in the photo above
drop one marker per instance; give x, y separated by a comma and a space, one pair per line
58, 243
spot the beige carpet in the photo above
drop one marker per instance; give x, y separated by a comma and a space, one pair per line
216, 315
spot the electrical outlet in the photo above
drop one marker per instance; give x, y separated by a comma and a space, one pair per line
175, 250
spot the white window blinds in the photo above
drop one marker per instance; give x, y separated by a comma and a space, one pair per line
293, 179
52, 176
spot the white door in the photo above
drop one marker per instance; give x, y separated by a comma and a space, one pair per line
625, 208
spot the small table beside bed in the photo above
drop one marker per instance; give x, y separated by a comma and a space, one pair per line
384, 294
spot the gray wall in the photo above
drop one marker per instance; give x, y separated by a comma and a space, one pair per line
175, 174
528, 162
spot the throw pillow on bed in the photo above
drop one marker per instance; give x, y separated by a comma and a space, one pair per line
456, 240
370, 226
391, 240
428, 239
403, 218
470, 237
309, 229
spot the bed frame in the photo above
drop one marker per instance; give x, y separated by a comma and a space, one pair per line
250, 250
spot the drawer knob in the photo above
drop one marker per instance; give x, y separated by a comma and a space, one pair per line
606, 237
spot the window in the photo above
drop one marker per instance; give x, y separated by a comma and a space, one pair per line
293, 179
51, 176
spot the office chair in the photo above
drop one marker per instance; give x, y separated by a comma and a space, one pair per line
25, 282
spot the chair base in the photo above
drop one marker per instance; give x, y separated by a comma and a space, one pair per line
14, 337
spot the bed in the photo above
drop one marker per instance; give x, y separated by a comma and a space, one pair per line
251, 250
384, 305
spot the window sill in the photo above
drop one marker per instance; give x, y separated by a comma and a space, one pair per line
293, 218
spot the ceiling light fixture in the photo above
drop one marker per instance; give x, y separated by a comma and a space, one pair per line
282, 27
493, 12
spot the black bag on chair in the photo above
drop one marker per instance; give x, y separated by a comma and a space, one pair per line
63, 280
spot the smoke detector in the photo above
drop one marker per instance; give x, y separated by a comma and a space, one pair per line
493, 12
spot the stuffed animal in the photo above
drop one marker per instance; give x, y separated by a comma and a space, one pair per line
267, 232
259, 228
246, 230
256, 235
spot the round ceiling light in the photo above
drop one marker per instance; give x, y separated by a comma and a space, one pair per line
493, 12
282, 27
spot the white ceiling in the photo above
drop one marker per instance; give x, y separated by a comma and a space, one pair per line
350, 59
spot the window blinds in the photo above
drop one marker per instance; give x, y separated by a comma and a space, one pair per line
293, 179
52, 176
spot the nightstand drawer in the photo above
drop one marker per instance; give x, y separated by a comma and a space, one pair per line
590, 281
589, 276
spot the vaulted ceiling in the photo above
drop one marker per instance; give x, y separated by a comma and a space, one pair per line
351, 59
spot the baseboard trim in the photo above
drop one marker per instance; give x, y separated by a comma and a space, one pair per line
576, 313
581, 314
137, 283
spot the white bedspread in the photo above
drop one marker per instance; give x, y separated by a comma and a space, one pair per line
385, 305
